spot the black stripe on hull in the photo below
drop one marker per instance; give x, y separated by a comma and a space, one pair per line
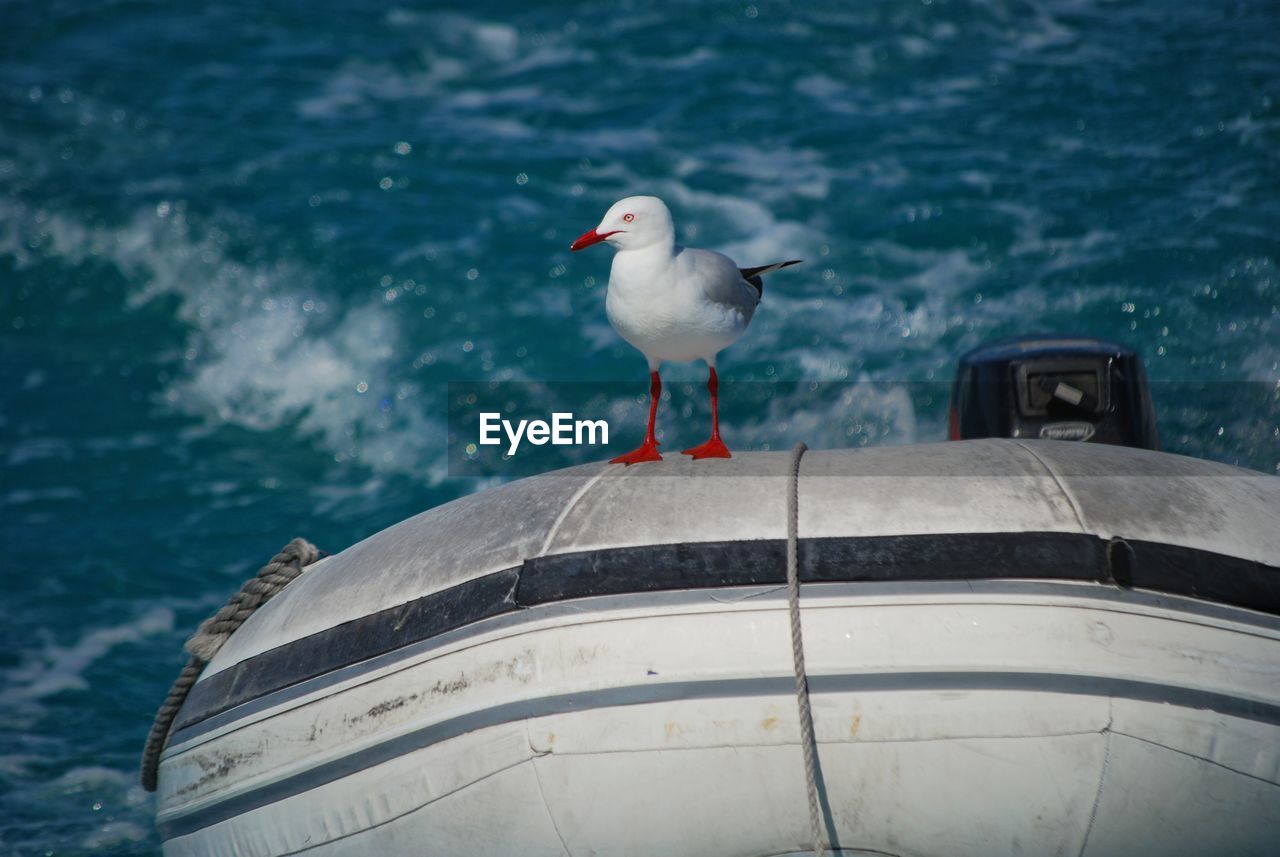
705, 565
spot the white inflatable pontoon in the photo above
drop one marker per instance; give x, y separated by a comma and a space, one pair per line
1014, 647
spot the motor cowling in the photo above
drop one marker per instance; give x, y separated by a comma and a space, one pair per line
1056, 388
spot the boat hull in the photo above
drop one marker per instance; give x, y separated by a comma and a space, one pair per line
1012, 648
975, 719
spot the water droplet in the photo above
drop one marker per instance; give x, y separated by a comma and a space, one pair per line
522, 179
403, 148
386, 183
362, 387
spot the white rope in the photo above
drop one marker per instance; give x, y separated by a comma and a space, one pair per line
807, 740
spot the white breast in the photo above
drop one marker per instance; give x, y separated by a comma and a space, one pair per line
662, 303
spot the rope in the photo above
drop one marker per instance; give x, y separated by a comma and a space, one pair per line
807, 740
283, 569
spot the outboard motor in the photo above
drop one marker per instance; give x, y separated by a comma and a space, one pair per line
1059, 388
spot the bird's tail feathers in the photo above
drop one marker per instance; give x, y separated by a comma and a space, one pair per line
748, 273
753, 275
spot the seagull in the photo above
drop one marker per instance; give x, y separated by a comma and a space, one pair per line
673, 303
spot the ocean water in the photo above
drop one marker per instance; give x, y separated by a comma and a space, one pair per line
245, 247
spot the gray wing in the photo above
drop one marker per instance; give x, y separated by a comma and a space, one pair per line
719, 277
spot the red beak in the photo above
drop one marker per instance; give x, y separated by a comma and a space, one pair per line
586, 239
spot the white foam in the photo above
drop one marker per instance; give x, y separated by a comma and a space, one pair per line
39, 449
21, 497
499, 41
19, 764
607, 140
1042, 33
265, 351
550, 56
348, 92
353, 90
461, 60
916, 47
89, 777
478, 99
768, 238
863, 414
55, 668
13, 242
774, 173
825, 89
700, 55
114, 833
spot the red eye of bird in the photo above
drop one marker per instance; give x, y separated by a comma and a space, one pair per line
628, 217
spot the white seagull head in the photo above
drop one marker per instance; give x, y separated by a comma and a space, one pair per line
633, 223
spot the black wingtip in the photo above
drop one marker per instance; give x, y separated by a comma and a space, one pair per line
751, 274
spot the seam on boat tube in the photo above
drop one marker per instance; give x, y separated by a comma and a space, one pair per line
568, 508
542, 793
1062, 486
1102, 775
1204, 759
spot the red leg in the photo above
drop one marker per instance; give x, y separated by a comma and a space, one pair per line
713, 448
647, 451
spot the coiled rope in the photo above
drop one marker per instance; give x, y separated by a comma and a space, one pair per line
283, 569
807, 740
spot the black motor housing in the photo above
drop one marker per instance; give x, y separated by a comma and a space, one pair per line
1054, 387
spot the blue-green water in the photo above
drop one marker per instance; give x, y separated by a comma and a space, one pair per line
244, 247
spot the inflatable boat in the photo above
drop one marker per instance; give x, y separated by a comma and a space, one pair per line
1013, 647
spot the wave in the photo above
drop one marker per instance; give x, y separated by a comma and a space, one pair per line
268, 345
55, 669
